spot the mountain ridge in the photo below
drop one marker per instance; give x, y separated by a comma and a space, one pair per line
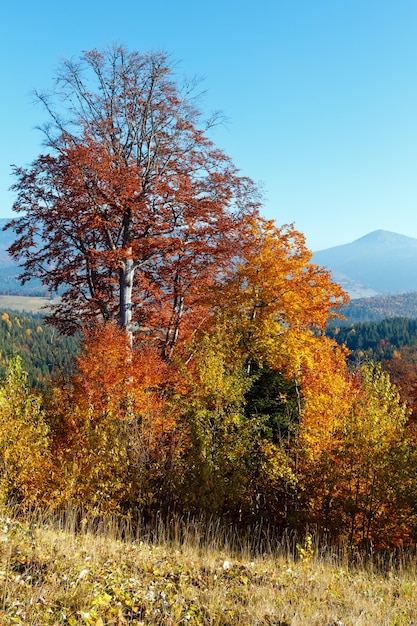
380, 262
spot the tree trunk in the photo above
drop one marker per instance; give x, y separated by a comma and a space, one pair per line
126, 304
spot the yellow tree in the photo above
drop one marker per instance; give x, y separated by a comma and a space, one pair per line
278, 303
327, 397
376, 464
220, 438
25, 459
328, 393
359, 486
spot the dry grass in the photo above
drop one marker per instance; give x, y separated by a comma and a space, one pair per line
26, 304
103, 574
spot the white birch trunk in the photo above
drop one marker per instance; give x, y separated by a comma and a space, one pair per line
126, 304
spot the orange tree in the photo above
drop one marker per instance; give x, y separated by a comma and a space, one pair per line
111, 437
278, 300
276, 305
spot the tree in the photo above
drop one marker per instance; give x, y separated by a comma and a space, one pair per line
25, 457
362, 487
276, 306
132, 212
378, 463
112, 436
220, 437
277, 300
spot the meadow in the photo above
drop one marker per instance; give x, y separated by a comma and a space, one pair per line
27, 304
69, 570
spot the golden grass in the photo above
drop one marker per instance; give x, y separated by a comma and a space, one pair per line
26, 304
104, 574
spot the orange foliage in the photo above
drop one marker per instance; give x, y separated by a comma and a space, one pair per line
108, 371
327, 396
112, 420
277, 299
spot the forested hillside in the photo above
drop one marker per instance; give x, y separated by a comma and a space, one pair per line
376, 340
379, 308
45, 353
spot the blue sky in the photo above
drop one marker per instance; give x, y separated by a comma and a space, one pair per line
321, 95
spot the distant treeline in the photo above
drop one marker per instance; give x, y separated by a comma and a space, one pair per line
10, 285
378, 308
46, 353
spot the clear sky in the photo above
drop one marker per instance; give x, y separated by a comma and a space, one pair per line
321, 95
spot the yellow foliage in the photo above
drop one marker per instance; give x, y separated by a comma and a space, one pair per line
327, 396
277, 300
275, 464
25, 459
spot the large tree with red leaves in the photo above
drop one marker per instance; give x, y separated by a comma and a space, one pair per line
131, 212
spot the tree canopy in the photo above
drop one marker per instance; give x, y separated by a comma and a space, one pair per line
132, 211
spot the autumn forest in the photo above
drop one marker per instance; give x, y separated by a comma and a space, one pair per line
200, 375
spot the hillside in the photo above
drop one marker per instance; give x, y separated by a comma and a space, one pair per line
377, 308
381, 262
45, 353
53, 575
377, 340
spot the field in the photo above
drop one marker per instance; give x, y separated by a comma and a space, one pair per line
26, 304
187, 573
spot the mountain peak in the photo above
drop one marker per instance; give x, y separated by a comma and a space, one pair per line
384, 237
379, 262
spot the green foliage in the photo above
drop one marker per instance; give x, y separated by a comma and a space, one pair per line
275, 399
376, 340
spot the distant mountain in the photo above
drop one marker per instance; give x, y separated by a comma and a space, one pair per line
10, 270
381, 262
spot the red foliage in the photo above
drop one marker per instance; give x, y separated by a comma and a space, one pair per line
134, 213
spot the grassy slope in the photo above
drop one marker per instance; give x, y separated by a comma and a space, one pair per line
51, 575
